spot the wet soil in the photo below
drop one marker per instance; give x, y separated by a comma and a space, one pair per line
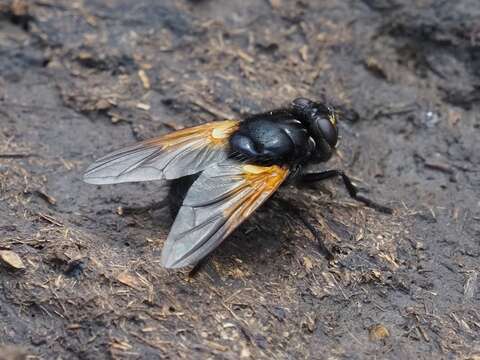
81, 78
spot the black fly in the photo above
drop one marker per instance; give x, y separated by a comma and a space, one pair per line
235, 166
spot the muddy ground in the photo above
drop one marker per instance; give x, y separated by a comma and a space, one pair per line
81, 78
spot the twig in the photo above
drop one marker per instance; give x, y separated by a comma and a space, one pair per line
16, 155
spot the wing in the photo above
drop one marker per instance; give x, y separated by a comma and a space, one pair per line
223, 196
180, 153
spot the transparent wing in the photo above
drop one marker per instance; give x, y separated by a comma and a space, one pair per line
180, 153
223, 196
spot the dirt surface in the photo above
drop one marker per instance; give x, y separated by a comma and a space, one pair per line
81, 78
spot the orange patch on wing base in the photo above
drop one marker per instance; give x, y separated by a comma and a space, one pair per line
268, 177
221, 131
213, 133
263, 182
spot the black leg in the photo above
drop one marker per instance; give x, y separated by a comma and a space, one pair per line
142, 209
308, 221
198, 266
318, 236
352, 189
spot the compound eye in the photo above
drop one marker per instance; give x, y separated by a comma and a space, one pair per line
301, 103
329, 131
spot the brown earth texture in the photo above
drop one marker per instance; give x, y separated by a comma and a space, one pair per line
79, 264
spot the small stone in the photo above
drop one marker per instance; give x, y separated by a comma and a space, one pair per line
378, 332
11, 259
307, 263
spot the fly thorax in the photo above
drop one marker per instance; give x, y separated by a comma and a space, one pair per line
269, 140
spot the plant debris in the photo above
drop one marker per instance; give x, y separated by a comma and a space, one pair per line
79, 79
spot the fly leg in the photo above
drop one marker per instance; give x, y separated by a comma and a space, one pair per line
310, 223
198, 266
351, 188
312, 227
143, 209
